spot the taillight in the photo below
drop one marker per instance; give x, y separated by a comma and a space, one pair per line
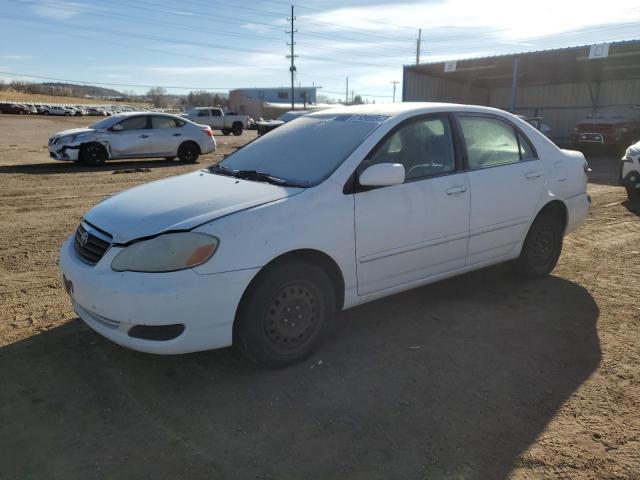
208, 131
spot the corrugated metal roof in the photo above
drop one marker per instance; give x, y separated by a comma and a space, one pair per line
529, 52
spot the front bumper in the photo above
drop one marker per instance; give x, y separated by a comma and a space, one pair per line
111, 303
64, 152
595, 138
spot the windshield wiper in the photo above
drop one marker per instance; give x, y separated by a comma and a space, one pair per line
253, 175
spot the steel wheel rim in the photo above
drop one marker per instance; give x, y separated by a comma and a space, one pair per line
544, 245
293, 316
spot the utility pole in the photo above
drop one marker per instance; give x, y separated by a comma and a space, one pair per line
346, 94
395, 82
418, 46
292, 56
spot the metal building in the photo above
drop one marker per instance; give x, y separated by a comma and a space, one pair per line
563, 86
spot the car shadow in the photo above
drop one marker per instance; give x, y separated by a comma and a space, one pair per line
114, 165
605, 167
452, 380
633, 207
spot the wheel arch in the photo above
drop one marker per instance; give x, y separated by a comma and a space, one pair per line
557, 207
316, 257
187, 142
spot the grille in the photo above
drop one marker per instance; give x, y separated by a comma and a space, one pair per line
93, 248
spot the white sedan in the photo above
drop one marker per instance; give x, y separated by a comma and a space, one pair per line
329, 211
133, 135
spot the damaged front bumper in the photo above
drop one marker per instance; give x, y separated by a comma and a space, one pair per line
64, 152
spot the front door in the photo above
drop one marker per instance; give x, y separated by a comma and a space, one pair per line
132, 140
506, 180
410, 232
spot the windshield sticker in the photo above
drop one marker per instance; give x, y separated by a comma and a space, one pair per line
367, 118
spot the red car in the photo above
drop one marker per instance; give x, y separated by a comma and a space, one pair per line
614, 127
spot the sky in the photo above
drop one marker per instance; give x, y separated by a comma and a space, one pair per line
221, 45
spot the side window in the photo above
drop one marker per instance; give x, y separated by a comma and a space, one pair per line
203, 113
216, 113
489, 142
134, 123
162, 122
424, 147
526, 150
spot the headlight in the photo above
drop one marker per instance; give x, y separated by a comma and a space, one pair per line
166, 253
67, 139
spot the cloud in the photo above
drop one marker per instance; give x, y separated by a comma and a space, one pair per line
57, 10
16, 57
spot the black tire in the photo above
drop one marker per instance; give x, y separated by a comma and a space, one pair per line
237, 129
633, 193
226, 131
283, 314
67, 114
93, 154
542, 247
188, 152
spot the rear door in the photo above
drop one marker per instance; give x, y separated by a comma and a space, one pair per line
506, 181
132, 140
165, 135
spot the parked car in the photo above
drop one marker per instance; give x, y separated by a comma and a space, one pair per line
537, 123
630, 172
614, 127
217, 119
265, 126
325, 213
133, 135
14, 108
58, 111
96, 112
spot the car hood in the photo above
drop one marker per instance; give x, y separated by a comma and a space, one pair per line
179, 203
73, 131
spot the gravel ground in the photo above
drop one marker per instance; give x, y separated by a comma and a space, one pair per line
477, 377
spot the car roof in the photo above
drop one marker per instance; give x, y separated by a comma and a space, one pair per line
397, 109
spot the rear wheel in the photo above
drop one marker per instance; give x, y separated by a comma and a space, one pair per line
93, 154
284, 314
542, 246
237, 129
188, 152
226, 131
633, 192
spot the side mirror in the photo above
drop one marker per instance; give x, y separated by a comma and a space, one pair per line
117, 128
382, 175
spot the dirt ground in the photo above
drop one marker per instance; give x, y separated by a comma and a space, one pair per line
478, 377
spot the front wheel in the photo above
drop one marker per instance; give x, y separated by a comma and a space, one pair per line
226, 131
93, 154
633, 192
542, 247
284, 313
237, 130
188, 152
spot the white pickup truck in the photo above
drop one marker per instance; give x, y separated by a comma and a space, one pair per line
217, 119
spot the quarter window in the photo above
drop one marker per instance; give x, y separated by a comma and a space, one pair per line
526, 150
134, 123
424, 147
203, 113
489, 142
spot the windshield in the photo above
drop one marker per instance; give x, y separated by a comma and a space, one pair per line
307, 150
105, 123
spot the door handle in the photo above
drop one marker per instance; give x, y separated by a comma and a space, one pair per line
177, 134
456, 190
534, 174
144, 136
